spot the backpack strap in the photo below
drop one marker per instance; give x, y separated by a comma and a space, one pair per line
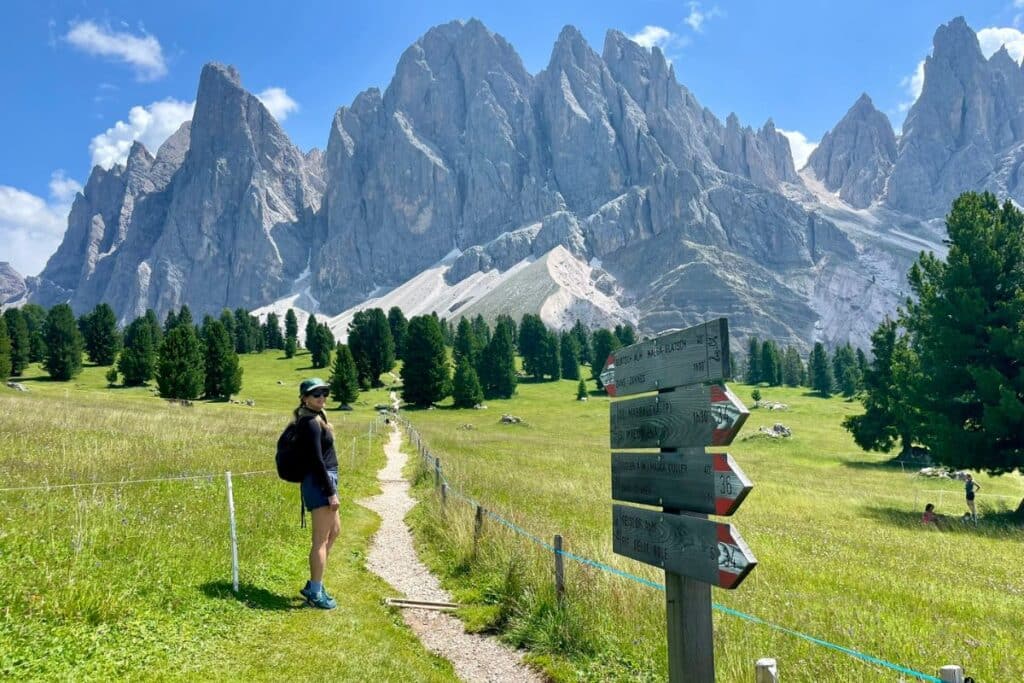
302, 511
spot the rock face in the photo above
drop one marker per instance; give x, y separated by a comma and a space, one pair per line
601, 169
12, 285
856, 157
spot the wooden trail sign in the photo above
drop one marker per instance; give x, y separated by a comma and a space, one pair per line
710, 483
710, 552
685, 417
696, 354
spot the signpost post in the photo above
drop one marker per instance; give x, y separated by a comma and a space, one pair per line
691, 410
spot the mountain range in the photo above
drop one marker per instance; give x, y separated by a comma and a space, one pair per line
599, 188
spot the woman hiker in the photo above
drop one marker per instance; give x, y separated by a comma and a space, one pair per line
320, 487
970, 486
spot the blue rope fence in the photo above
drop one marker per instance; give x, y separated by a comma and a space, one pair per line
431, 461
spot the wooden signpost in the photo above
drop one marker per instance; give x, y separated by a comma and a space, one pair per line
691, 410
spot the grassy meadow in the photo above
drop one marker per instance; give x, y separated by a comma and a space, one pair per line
842, 554
133, 581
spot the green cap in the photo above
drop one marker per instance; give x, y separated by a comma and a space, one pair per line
312, 383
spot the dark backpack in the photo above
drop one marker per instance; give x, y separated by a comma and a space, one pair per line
292, 461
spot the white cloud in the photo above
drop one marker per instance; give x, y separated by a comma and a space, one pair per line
992, 38
143, 52
913, 85
278, 103
799, 146
150, 125
651, 36
31, 227
697, 16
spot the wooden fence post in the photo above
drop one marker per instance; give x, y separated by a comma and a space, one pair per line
767, 671
444, 496
234, 534
559, 570
951, 673
437, 472
478, 525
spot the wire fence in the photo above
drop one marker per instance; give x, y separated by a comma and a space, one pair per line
432, 462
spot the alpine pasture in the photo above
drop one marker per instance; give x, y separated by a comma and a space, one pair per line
133, 580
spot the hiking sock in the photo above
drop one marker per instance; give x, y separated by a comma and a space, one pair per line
315, 587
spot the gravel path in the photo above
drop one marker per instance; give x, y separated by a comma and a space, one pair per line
393, 558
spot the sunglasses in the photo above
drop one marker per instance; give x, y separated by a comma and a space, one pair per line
319, 393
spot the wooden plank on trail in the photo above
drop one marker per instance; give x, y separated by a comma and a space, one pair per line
711, 483
696, 354
712, 552
683, 418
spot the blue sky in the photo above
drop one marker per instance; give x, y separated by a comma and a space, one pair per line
81, 80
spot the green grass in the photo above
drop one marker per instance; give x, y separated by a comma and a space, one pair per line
842, 555
134, 580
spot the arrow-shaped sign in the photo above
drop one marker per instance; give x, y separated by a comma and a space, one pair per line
696, 354
684, 418
711, 483
712, 552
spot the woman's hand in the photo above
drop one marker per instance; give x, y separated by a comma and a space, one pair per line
334, 503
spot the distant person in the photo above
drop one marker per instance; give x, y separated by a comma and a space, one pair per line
929, 517
970, 488
320, 487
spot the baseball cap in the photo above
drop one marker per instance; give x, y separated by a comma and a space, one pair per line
310, 384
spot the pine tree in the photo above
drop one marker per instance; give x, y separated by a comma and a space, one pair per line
497, 369
481, 332
771, 367
753, 361
35, 318
154, 324
243, 335
579, 332
570, 353
321, 345
399, 326
532, 333
792, 368
272, 337
845, 371
466, 389
551, 355
137, 362
344, 382
581, 389
291, 325
21, 340
426, 378
100, 334
888, 417
64, 343
181, 370
820, 370
223, 372
604, 342
373, 349
290, 347
467, 344
5, 350
625, 334
309, 333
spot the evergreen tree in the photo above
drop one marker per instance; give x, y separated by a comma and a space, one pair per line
100, 335
888, 417
223, 372
581, 389
290, 347
570, 353
321, 345
21, 340
551, 355
820, 371
604, 342
310, 333
792, 368
467, 344
227, 319
399, 327
291, 325
5, 350
753, 361
579, 332
771, 365
502, 319
482, 332
181, 370
256, 338
625, 334
862, 367
845, 371
965, 327
466, 388
35, 318
170, 321
344, 382
64, 343
243, 335
426, 377
137, 362
154, 324
185, 317
531, 337
497, 369
272, 336
373, 349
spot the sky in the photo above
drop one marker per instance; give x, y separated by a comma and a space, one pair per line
80, 81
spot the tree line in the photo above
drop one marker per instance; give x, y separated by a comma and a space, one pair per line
842, 373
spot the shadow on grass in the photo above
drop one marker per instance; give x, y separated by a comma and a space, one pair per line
251, 596
989, 523
899, 462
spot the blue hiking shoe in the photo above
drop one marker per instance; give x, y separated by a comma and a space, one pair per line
307, 593
319, 600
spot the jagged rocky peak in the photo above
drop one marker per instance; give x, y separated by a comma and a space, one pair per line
764, 156
12, 284
856, 157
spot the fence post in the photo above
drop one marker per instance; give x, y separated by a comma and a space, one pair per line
234, 535
437, 472
559, 570
478, 525
767, 671
444, 496
951, 673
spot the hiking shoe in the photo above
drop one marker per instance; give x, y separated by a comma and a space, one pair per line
319, 600
308, 594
